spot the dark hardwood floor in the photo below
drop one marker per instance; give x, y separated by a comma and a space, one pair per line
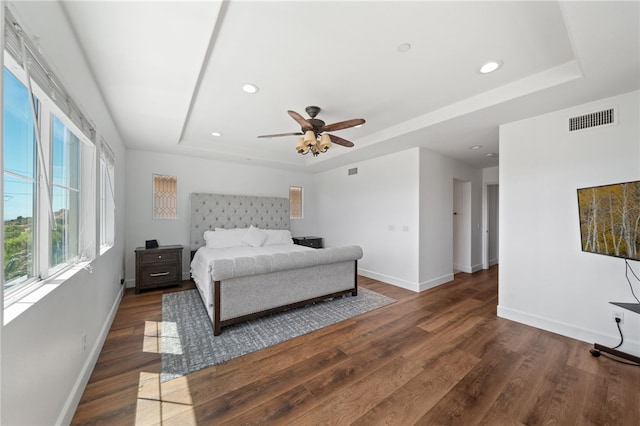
441, 357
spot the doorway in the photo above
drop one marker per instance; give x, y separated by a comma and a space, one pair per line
461, 226
492, 225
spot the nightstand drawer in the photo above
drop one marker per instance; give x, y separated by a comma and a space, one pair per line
164, 257
156, 275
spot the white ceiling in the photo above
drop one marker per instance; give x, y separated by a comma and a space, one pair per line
171, 72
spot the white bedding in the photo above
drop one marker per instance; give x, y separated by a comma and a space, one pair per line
201, 265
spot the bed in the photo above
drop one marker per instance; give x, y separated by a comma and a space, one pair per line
248, 265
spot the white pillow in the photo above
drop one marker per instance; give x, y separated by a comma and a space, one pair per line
207, 235
255, 237
231, 229
277, 237
225, 238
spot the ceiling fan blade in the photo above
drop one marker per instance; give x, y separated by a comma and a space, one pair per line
281, 134
301, 120
340, 141
343, 125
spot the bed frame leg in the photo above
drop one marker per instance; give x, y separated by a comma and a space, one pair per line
355, 278
217, 327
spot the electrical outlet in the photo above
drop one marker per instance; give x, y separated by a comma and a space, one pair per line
617, 314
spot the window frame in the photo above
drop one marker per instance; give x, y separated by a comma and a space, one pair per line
19, 283
41, 251
67, 187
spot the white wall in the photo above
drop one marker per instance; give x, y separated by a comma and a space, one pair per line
399, 209
200, 175
376, 209
545, 279
437, 174
44, 368
491, 175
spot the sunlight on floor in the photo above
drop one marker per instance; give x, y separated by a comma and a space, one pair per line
163, 403
169, 402
161, 337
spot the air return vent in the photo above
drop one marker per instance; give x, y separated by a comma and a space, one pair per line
353, 171
594, 119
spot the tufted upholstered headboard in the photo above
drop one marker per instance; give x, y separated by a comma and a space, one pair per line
209, 211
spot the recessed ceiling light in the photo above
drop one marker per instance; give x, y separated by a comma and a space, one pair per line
404, 47
249, 88
216, 134
492, 155
490, 66
475, 147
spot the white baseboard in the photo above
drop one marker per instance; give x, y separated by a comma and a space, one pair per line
585, 335
73, 400
461, 268
476, 268
469, 269
413, 286
398, 282
434, 282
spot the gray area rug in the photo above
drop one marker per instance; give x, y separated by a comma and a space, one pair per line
187, 342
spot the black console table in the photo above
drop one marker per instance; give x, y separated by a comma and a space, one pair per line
597, 348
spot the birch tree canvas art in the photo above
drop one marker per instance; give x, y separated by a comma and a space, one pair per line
610, 219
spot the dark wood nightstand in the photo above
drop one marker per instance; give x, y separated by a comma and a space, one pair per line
158, 267
313, 242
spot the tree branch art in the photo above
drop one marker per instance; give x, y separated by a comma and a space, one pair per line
610, 219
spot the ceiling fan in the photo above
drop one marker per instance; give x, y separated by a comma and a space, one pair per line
313, 129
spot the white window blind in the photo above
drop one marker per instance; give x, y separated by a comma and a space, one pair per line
107, 197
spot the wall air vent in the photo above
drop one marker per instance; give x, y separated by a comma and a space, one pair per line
594, 119
353, 171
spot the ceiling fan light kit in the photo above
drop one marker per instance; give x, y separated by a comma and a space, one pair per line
309, 144
309, 138
325, 143
314, 140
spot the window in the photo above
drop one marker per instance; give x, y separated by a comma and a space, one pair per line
49, 171
107, 198
42, 217
65, 234
295, 202
20, 170
165, 191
